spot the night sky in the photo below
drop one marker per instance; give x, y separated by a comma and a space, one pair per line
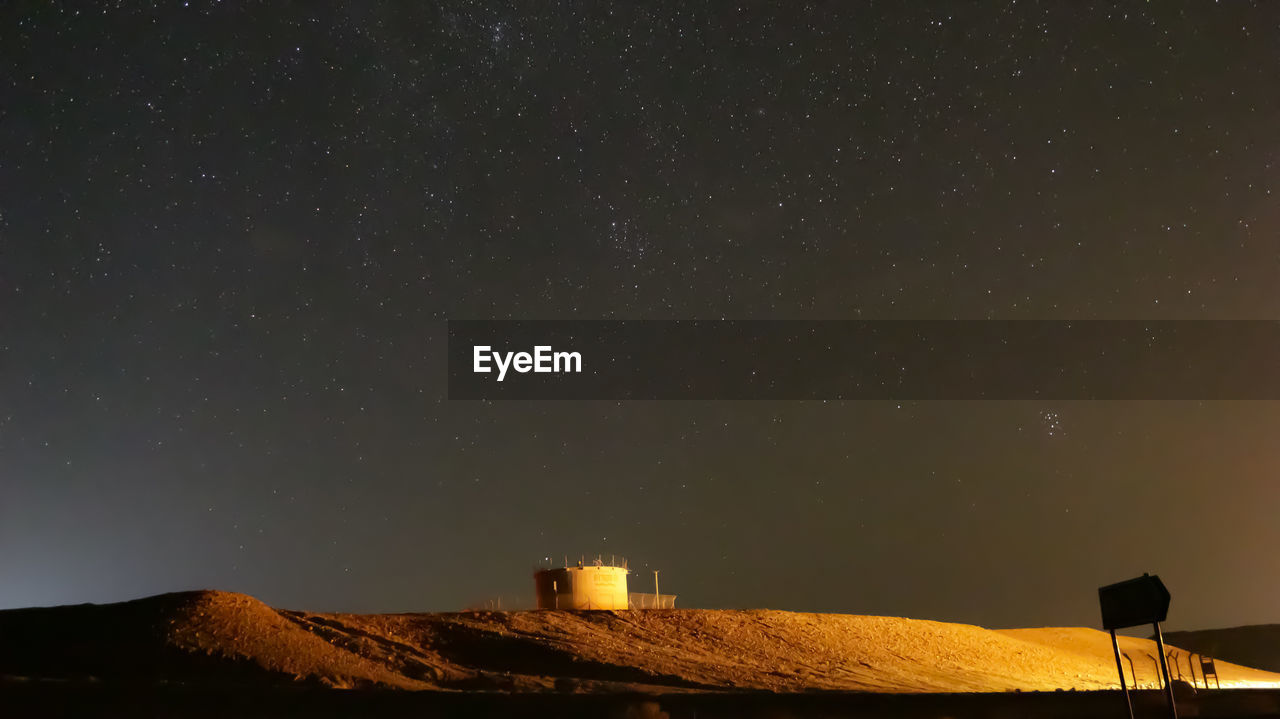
231, 234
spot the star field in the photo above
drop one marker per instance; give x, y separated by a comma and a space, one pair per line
230, 235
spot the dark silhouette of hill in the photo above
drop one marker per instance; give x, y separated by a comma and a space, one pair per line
1256, 645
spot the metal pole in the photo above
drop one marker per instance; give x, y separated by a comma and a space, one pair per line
1164, 667
1115, 644
657, 597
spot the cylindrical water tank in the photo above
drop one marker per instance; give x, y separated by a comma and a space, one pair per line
590, 587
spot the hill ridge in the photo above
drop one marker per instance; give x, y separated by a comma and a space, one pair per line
211, 636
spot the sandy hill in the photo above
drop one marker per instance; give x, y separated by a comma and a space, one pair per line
1256, 646
222, 638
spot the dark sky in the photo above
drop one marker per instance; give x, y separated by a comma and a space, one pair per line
230, 235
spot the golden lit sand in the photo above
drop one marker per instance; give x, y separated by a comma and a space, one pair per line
656, 650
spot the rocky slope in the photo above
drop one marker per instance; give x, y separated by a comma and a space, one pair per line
220, 637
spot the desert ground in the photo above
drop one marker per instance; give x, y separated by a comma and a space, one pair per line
185, 644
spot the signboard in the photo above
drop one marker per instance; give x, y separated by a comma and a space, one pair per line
1143, 600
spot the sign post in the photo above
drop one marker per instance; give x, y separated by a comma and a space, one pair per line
1132, 602
1115, 644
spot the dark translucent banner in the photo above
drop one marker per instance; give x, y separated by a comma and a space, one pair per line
906, 360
